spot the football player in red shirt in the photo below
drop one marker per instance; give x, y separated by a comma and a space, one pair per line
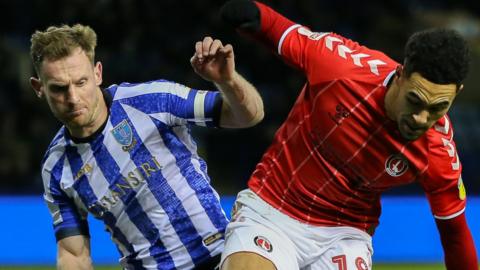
362, 124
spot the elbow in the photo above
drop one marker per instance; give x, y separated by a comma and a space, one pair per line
246, 119
256, 118
74, 253
74, 262
253, 114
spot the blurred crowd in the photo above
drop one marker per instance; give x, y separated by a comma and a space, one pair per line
142, 40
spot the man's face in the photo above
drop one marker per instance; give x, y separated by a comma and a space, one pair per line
420, 104
71, 88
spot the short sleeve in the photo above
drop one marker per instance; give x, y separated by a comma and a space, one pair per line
67, 220
173, 103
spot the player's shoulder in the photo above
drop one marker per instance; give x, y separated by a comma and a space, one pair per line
358, 61
127, 90
442, 151
440, 132
55, 150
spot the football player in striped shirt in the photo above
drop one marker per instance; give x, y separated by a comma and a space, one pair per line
362, 124
126, 156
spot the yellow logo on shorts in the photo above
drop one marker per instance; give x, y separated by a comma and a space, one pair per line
212, 239
462, 193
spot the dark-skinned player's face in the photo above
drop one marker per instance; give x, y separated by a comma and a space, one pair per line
420, 104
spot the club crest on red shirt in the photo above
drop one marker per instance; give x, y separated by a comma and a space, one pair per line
263, 243
396, 165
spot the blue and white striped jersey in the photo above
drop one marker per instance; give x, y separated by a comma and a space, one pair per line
141, 175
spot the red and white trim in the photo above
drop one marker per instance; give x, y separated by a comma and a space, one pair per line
284, 35
450, 216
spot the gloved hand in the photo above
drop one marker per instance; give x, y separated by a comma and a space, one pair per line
243, 15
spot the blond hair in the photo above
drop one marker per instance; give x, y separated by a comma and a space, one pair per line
59, 42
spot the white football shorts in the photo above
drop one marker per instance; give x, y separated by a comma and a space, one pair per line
290, 244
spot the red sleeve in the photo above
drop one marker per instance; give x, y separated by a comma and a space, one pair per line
272, 26
447, 197
320, 56
443, 183
458, 245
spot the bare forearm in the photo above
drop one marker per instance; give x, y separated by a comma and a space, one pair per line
243, 106
74, 253
66, 262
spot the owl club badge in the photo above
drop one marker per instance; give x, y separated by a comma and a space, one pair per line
123, 134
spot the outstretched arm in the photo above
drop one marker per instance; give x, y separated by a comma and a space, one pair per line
258, 21
215, 62
74, 253
457, 243
316, 54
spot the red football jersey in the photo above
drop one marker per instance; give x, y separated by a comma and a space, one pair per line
337, 151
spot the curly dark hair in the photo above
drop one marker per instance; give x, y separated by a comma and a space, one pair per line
440, 55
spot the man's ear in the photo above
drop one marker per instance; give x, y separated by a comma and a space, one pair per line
399, 71
37, 86
98, 73
398, 74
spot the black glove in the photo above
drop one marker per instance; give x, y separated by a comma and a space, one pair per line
241, 14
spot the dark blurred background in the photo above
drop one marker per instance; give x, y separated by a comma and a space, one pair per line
143, 40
